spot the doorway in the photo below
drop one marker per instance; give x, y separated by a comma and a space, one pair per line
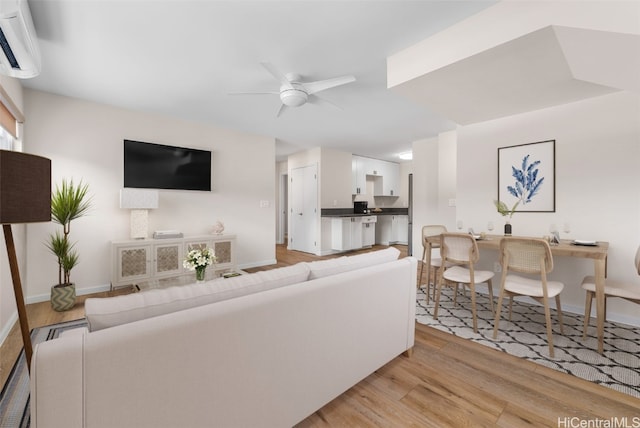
283, 205
303, 212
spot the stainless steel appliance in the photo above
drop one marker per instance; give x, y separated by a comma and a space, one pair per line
360, 207
410, 212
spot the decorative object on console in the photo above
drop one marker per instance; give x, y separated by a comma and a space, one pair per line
167, 234
68, 202
139, 201
198, 260
218, 228
25, 197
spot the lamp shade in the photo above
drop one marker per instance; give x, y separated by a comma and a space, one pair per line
25, 188
138, 199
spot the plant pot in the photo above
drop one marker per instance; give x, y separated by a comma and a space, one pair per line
200, 272
63, 297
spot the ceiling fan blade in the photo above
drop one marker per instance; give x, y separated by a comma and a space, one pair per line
281, 110
321, 85
277, 74
314, 99
254, 93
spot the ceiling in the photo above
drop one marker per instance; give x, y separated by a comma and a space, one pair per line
184, 58
547, 67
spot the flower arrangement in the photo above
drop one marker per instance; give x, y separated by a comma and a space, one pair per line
198, 260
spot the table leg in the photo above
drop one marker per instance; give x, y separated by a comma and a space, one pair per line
428, 263
600, 267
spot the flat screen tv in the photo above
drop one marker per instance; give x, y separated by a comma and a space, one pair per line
157, 166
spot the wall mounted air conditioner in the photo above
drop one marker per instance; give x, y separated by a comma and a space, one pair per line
19, 53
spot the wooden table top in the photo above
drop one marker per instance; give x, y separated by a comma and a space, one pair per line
565, 248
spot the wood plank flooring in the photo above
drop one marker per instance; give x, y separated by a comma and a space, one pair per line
447, 382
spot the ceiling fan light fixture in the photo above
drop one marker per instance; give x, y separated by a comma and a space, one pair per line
293, 97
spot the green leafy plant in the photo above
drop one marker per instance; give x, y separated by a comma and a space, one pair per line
503, 209
68, 202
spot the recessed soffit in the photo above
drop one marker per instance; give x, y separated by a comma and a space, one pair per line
548, 67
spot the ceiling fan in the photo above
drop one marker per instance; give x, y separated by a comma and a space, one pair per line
295, 93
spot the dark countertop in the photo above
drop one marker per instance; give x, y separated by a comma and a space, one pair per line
348, 212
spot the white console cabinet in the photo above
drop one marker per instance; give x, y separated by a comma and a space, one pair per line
143, 260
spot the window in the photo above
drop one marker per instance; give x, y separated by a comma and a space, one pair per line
7, 142
10, 123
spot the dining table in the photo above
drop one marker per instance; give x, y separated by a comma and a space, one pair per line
597, 252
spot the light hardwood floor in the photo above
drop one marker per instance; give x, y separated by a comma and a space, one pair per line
448, 381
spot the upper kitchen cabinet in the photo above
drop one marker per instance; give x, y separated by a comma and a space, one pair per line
385, 176
389, 184
359, 175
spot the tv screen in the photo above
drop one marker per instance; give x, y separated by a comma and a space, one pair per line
156, 166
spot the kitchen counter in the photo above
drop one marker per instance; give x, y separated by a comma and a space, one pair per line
348, 212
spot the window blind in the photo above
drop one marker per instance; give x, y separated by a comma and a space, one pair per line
9, 114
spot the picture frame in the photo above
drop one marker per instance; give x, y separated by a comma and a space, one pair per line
527, 176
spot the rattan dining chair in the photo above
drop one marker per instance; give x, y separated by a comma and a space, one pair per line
612, 288
459, 254
430, 258
529, 256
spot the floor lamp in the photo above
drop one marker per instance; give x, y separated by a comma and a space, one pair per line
25, 197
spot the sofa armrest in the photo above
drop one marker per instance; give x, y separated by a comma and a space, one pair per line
57, 391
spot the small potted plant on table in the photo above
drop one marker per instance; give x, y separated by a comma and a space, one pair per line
504, 210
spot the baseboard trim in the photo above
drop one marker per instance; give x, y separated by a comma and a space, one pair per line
79, 292
7, 327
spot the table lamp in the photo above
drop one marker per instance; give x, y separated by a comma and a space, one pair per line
139, 201
25, 197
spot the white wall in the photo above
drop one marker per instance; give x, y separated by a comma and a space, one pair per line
8, 314
84, 140
597, 155
434, 184
335, 179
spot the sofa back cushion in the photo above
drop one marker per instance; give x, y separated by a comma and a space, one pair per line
108, 312
328, 267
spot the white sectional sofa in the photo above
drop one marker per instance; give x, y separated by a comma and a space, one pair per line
259, 350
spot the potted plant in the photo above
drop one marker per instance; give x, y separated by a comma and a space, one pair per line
504, 210
68, 202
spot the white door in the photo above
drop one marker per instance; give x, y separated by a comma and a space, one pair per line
304, 208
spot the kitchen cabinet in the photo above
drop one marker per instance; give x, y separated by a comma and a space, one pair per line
368, 231
392, 229
143, 260
385, 176
389, 182
346, 233
400, 229
359, 167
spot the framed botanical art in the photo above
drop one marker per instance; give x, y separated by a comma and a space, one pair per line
527, 176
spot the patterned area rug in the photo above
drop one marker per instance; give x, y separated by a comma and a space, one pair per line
14, 398
525, 336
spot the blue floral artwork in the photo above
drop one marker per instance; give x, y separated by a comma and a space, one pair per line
526, 176
527, 181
